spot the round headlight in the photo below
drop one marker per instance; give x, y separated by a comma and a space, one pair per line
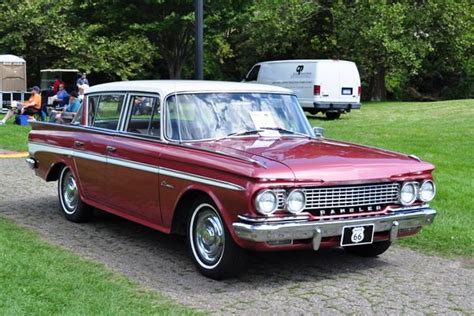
266, 202
427, 191
296, 201
408, 193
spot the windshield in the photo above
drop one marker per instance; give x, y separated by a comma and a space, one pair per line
218, 115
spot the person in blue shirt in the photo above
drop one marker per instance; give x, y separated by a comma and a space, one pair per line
61, 97
74, 103
73, 106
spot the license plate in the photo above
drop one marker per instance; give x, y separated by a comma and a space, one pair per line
357, 235
347, 91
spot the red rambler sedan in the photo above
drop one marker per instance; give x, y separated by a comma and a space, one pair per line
234, 167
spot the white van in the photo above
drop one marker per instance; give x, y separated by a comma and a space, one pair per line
328, 86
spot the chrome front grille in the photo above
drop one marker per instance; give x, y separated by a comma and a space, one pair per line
346, 196
281, 195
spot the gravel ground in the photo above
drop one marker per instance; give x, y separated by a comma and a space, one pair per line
329, 282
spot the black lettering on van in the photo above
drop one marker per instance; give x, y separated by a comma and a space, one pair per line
299, 69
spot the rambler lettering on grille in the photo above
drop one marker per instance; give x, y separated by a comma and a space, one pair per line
350, 199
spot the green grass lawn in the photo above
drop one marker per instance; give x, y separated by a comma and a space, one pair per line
39, 279
439, 132
13, 137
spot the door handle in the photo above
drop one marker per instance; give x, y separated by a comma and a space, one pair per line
78, 143
111, 149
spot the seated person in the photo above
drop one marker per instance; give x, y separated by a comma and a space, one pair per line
30, 107
73, 106
61, 97
141, 106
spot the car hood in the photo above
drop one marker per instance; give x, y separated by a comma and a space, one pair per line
322, 160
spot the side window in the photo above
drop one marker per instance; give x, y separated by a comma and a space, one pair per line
253, 75
104, 111
144, 116
78, 117
92, 103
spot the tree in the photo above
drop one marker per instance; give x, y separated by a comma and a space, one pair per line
447, 70
383, 39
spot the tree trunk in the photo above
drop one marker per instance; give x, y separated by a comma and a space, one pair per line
174, 69
377, 91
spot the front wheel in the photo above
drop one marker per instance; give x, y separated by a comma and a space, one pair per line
211, 246
372, 250
70, 202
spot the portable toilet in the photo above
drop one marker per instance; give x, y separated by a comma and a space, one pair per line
12, 79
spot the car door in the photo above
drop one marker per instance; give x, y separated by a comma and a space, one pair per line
90, 145
133, 159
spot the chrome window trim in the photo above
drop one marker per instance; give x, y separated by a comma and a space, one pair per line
128, 114
100, 94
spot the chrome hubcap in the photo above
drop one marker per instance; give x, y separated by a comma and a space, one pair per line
70, 192
209, 236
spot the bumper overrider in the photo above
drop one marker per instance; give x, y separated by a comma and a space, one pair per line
398, 219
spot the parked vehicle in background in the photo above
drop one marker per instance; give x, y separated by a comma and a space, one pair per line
67, 76
327, 86
232, 166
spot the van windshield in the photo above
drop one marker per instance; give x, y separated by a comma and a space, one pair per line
207, 116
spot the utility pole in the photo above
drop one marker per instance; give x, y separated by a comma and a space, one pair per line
199, 25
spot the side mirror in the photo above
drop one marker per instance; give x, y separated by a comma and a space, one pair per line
318, 132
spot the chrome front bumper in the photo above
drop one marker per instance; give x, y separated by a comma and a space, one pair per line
402, 219
31, 162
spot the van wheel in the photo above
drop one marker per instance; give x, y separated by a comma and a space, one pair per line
212, 248
70, 202
372, 250
333, 115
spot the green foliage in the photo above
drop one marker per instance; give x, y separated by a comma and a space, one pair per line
411, 50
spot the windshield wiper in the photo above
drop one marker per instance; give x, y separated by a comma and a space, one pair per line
242, 133
284, 131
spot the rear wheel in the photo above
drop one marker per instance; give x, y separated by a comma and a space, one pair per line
211, 246
372, 250
69, 199
333, 115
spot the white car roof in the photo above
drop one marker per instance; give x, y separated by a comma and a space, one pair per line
11, 59
165, 87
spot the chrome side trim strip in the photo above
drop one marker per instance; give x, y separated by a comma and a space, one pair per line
201, 179
133, 165
37, 147
33, 148
89, 156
